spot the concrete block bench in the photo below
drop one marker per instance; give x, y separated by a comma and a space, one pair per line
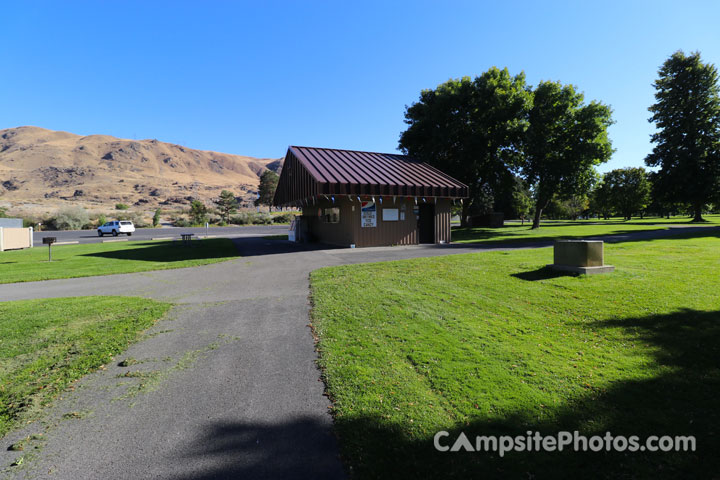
580, 256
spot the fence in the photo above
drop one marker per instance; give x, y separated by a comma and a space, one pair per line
15, 238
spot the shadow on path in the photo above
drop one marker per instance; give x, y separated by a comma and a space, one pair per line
255, 246
171, 251
295, 450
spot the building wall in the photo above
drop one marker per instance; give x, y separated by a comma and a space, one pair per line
400, 232
350, 230
15, 238
442, 220
332, 233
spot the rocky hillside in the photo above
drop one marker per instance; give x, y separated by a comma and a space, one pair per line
43, 169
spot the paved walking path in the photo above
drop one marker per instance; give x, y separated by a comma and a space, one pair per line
231, 389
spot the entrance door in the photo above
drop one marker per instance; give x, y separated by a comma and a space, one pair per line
426, 223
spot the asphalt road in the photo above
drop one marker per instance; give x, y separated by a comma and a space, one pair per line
91, 236
231, 388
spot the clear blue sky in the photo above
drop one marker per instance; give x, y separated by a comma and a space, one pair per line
254, 77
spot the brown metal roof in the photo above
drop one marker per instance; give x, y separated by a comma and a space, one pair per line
310, 172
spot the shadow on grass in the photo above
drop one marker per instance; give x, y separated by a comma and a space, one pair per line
175, 251
544, 273
681, 401
495, 238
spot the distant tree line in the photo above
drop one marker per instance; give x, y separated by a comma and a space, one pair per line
533, 151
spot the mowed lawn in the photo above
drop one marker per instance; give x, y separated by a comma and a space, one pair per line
493, 343
69, 261
553, 229
47, 344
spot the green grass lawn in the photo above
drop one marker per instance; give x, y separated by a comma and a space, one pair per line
493, 343
47, 344
91, 259
553, 229
711, 219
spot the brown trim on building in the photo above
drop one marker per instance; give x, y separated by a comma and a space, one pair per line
310, 172
330, 184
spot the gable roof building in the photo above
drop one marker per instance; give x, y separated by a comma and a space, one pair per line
365, 198
311, 172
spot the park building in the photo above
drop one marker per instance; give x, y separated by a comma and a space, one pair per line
366, 199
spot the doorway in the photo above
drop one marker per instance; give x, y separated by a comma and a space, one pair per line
426, 223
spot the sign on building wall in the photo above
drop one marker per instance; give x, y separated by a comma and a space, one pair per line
390, 215
368, 214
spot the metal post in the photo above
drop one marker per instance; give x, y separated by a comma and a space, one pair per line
49, 241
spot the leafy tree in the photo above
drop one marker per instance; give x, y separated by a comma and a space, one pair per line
687, 142
198, 212
101, 220
576, 205
600, 201
629, 190
570, 207
266, 190
564, 141
227, 205
156, 217
522, 203
472, 130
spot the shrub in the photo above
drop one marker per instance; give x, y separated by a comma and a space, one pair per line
182, 222
30, 222
101, 220
73, 218
134, 217
121, 206
156, 217
262, 219
283, 217
241, 219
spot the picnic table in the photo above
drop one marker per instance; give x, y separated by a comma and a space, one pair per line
186, 238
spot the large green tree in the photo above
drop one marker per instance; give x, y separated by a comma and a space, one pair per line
687, 142
226, 205
565, 139
628, 190
471, 129
600, 201
266, 190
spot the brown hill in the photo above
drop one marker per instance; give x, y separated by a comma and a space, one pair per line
44, 169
